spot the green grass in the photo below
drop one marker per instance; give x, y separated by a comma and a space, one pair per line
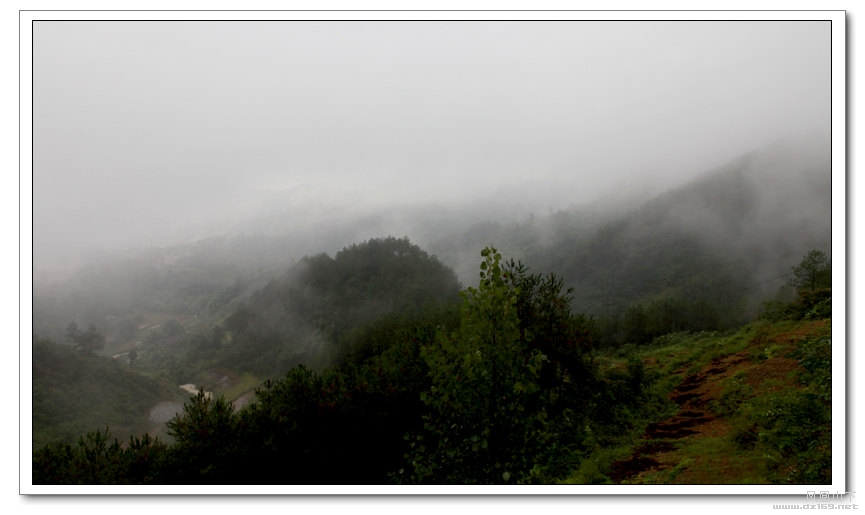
772, 413
594, 468
74, 393
246, 383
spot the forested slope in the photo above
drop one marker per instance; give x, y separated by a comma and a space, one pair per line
513, 393
312, 313
704, 255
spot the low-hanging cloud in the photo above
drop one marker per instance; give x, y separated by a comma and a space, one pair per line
146, 130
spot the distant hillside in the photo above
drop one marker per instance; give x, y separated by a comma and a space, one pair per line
769, 207
75, 392
308, 314
728, 237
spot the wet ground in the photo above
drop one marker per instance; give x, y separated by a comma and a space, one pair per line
693, 396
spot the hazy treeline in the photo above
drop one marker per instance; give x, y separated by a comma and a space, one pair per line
307, 315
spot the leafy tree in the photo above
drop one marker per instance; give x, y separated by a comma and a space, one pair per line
548, 326
88, 341
484, 378
340, 426
812, 281
813, 272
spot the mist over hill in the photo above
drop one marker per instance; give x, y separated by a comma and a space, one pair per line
747, 223
740, 227
731, 231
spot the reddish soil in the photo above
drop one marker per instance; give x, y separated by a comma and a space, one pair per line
695, 393
693, 396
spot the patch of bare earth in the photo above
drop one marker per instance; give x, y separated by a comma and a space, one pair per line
770, 374
693, 396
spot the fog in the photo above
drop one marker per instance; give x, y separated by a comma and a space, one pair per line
156, 132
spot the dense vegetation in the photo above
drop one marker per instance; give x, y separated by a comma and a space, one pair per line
507, 391
402, 412
311, 311
320, 311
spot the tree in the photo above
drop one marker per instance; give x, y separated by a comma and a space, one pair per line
812, 273
87, 341
206, 439
812, 282
99, 458
480, 428
548, 326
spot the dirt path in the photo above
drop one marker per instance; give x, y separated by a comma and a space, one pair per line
657, 449
694, 417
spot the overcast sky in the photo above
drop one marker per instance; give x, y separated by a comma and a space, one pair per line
141, 127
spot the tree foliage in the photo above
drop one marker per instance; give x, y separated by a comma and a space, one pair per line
206, 446
812, 282
813, 272
497, 380
88, 341
99, 459
312, 313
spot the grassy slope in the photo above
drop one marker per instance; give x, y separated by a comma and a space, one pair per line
750, 407
74, 393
